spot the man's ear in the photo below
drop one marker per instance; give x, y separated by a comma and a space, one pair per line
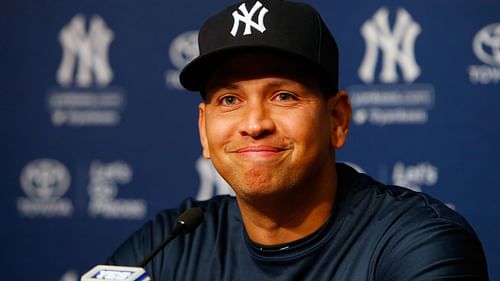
339, 108
202, 130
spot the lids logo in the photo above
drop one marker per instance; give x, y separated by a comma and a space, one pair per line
247, 18
486, 44
397, 47
89, 48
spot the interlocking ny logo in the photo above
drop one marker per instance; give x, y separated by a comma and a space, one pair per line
397, 47
246, 17
91, 50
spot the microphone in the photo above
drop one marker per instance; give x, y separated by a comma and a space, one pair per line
184, 224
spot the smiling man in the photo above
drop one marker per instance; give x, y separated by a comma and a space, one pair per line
271, 120
272, 133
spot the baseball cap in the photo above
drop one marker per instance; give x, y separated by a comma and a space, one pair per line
292, 28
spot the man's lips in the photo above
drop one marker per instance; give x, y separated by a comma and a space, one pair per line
259, 150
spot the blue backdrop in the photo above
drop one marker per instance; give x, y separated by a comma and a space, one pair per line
98, 135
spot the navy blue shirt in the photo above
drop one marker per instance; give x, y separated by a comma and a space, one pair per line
375, 232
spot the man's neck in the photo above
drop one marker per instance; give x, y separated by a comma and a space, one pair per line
288, 217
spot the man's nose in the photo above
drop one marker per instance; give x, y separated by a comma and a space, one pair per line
257, 121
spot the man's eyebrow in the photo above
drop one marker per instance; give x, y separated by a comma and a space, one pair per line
228, 85
278, 84
224, 85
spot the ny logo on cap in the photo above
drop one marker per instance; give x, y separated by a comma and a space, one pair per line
246, 17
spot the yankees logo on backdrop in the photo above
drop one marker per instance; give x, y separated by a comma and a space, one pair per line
393, 48
247, 18
397, 47
90, 49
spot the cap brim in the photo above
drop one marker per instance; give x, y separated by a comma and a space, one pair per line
195, 74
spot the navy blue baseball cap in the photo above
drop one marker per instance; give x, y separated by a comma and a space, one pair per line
291, 28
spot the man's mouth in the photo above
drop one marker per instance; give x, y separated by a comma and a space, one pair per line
259, 150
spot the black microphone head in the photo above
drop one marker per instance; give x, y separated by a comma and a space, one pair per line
185, 223
189, 220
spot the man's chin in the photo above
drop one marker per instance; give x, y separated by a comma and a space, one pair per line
260, 193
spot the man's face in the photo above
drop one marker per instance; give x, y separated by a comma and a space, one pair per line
266, 126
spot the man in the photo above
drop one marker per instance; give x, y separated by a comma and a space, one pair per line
270, 121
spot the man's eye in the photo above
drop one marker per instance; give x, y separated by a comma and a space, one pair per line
229, 100
285, 97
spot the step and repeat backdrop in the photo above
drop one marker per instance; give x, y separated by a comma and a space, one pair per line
97, 135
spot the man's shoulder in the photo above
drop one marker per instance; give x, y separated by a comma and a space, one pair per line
407, 233
396, 202
217, 210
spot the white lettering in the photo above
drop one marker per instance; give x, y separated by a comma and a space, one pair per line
392, 98
246, 17
113, 275
86, 100
118, 208
103, 190
415, 176
117, 171
62, 208
484, 74
85, 117
384, 117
